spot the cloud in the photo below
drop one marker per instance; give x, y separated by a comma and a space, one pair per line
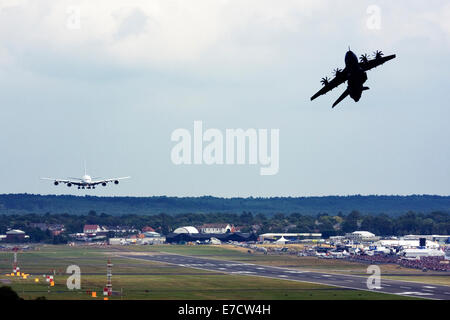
149, 32
176, 34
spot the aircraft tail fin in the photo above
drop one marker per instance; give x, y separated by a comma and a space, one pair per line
342, 97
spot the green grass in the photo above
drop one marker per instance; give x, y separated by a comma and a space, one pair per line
191, 287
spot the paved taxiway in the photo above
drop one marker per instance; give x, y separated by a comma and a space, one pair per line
403, 288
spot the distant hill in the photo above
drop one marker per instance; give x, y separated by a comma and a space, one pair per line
392, 205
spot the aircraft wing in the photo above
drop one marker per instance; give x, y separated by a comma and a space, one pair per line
66, 181
338, 80
375, 62
108, 180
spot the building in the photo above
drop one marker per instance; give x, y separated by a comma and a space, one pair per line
55, 229
289, 236
150, 234
150, 237
407, 244
142, 238
204, 237
148, 229
362, 236
188, 230
117, 241
216, 228
120, 229
16, 235
91, 228
442, 239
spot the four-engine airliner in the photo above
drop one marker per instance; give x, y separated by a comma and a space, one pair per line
86, 181
355, 75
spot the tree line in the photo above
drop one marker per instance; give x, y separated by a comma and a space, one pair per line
374, 204
436, 222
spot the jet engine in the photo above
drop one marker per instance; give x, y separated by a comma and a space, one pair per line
56, 183
116, 182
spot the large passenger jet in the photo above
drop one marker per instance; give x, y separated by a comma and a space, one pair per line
86, 181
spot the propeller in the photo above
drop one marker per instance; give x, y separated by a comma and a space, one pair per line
378, 54
337, 72
325, 81
364, 58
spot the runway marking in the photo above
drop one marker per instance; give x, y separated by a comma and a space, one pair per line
326, 275
415, 293
429, 287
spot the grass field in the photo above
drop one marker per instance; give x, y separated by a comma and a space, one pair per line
140, 279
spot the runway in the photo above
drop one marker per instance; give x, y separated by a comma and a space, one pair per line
404, 288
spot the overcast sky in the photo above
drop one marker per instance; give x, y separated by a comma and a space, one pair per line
108, 83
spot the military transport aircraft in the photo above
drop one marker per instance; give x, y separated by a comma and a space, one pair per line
85, 181
354, 73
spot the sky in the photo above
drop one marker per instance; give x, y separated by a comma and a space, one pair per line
109, 81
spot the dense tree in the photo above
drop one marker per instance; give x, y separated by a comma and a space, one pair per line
333, 205
383, 224
350, 223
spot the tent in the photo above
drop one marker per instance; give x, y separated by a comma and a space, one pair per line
282, 240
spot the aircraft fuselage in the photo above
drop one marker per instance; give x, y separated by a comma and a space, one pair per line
356, 76
86, 179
